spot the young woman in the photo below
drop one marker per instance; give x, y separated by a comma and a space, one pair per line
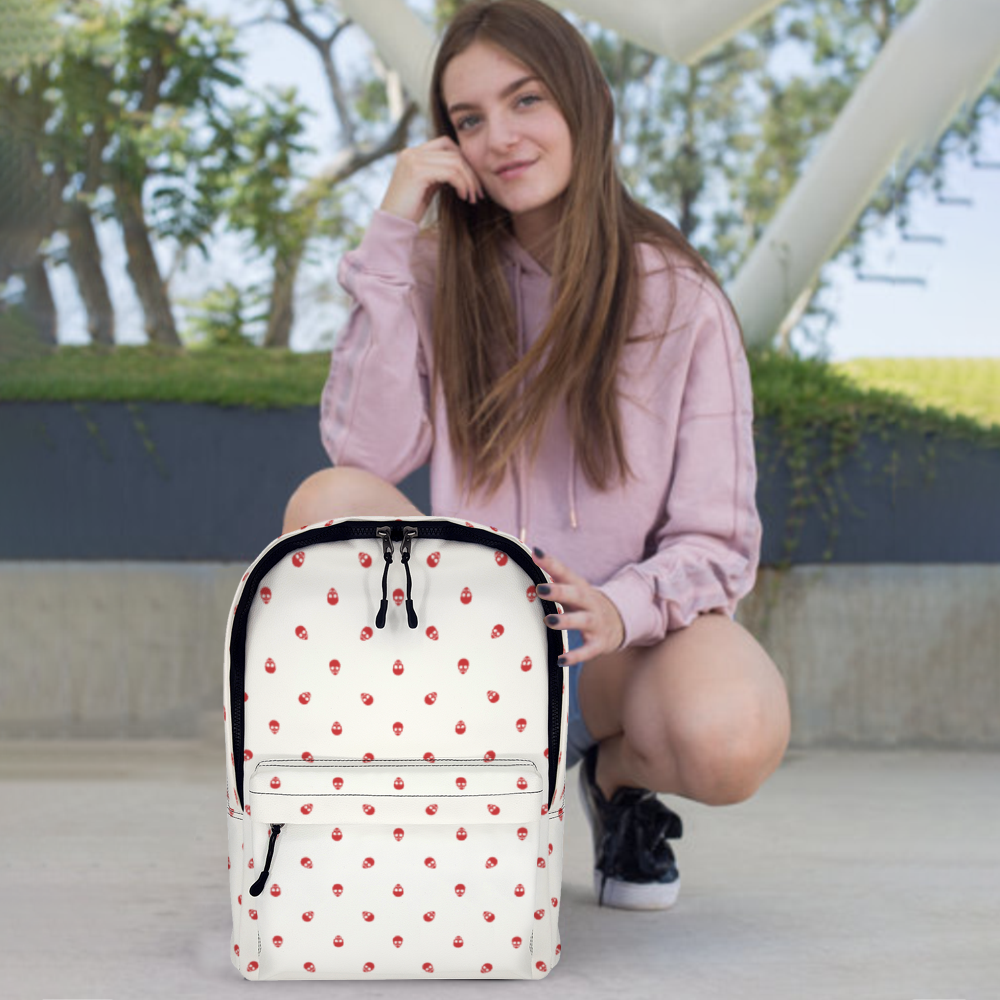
542, 329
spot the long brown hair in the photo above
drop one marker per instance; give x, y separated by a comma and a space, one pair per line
595, 270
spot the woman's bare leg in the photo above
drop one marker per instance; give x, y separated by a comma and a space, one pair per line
341, 492
703, 714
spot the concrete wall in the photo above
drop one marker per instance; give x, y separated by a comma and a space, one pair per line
873, 655
186, 482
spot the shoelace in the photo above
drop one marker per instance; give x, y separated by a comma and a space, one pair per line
637, 830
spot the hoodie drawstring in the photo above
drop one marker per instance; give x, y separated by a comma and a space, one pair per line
518, 257
572, 483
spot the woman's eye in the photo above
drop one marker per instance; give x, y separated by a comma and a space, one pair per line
524, 97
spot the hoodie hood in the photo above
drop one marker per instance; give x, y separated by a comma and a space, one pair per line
527, 276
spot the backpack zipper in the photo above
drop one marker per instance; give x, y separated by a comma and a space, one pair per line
409, 533
258, 887
385, 533
405, 534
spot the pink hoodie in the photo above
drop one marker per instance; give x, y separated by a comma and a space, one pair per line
681, 540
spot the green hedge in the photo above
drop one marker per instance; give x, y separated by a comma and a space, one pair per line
955, 397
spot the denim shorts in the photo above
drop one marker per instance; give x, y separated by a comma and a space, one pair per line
578, 739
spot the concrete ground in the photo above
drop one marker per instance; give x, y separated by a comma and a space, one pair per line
850, 874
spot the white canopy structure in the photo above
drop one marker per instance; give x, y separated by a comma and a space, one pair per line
937, 63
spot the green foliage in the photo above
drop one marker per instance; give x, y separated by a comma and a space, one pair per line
146, 93
371, 101
176, 65
444, 13
815, 393
18, 338
223, 317
965, 387
807, 393
717, 146
821, 413
146, 98
29, 34
223, 376
251, 172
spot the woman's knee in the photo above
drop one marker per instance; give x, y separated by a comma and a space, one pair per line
725, 755
710, 700
324, 493
341, 491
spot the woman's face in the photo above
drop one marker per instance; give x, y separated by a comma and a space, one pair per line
497, 125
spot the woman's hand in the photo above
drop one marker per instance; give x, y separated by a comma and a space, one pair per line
419, 173
586, 609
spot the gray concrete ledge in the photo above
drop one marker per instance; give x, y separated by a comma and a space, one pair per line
848, 875
873, 655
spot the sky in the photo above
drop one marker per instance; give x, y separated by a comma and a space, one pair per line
955, 313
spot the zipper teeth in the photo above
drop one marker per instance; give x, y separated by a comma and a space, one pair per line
393, 761
444, 530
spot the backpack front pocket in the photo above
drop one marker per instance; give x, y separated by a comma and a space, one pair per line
400, 868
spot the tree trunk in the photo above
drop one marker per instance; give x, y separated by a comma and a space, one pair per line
143, 268
39, 303
282, 311
85, 260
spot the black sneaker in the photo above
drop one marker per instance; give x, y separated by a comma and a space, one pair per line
634, 866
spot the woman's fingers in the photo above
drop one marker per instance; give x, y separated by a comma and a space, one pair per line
459, 171
555, 568
472, 189
567, 620
466, 185
421, 171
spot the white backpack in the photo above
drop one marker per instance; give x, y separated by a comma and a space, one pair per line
394, 758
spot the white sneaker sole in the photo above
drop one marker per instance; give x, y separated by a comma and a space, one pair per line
629, 895
637, 895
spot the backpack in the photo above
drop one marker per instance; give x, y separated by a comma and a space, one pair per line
395, 779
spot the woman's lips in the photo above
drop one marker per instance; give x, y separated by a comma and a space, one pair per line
515, 171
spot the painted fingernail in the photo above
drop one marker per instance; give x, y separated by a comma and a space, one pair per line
561, 661
538, 552
543, 589
552, 620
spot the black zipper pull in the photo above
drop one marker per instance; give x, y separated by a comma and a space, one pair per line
258, 887
409, 533
386, 535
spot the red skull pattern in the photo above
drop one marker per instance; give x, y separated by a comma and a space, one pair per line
311, 653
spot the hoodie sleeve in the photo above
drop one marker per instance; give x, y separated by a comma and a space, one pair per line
708, 545
374, 410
